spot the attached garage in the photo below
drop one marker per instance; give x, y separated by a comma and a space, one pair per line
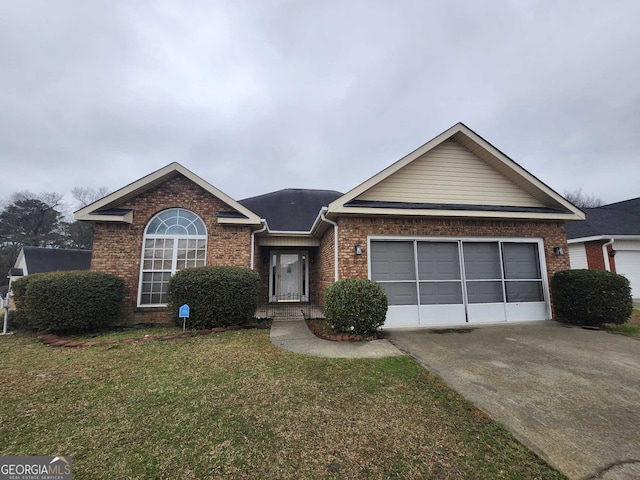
627, 261
458, 281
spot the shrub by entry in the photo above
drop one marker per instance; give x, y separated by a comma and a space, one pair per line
68, 301
355, 305
217, 296
591, 297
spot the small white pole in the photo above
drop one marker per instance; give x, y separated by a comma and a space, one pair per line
6, 314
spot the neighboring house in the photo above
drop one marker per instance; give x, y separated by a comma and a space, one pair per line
456, 232
41, 260
609, 239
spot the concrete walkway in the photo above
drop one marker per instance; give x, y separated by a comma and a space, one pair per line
570, 394
295, 336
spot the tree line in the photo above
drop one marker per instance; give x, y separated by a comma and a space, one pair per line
41, 220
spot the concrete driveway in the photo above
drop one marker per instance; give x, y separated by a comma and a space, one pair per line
570, 394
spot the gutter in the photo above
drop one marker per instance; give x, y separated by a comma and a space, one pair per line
335, 240
253, 240
605, 254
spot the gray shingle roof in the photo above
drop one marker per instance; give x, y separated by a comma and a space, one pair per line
40, 260
621, 218
292, 209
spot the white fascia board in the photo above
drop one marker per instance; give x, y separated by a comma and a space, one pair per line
453, 213
127, 218
603, 237
236, 221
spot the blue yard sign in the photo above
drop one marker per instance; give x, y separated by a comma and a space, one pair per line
183, 313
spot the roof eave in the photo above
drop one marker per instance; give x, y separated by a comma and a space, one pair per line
455, 213
595, 238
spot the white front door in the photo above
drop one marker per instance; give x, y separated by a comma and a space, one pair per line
289, 278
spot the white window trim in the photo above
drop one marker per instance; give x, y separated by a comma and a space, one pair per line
174, 258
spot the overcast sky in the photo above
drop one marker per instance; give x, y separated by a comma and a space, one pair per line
255, 96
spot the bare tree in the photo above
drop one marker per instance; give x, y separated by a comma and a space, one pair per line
583, 200
87, 195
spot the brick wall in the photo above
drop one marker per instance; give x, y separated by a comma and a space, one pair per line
117, 247
354, 231
325, 262
595, 260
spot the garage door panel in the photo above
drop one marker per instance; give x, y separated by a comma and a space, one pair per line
392, 261
628, 264
400, 293
521, 260
524, 291
481, 261
526, 312
399, 316
436, 293
442, 315
438, 261
486, 313
485, 292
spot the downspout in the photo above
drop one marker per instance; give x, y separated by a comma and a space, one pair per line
605, 255
335, 241
253, 239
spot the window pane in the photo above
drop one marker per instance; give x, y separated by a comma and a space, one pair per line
176, 221
392, 261
440, 293
484, 292
401, 293
521, 260
481, 260
438, 261
524, 292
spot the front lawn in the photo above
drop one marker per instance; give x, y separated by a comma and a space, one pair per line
232, 405
630, 329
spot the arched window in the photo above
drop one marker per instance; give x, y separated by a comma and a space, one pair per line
174, 239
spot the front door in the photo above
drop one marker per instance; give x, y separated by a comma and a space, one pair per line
289, 279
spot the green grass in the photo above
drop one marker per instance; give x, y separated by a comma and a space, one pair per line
132, 331
232, 405
629, 329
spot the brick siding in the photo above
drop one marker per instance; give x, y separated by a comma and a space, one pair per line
117, 247
595, 260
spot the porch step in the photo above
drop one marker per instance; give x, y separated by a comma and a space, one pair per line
289, 311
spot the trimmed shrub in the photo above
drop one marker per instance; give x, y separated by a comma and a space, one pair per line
19, 289
75, 301
356, 306
217, 296
591, 297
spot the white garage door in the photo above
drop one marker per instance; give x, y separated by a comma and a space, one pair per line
628, 264
455, 282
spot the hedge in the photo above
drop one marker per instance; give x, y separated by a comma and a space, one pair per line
591, 297
73, 301
356, 306
217, 296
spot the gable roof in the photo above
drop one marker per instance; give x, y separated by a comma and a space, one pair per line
615, 219
106, 209
41, 260
457, 173
291, 209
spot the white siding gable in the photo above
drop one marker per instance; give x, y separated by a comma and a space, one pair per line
450, 174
